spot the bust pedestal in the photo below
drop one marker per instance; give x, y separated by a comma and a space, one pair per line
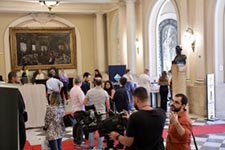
179, 78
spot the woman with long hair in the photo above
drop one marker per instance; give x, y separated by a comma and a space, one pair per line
108, 87
98, 74
54, 126
64, 91
163, 90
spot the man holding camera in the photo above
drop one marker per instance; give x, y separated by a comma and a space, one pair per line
145, 127
100, 99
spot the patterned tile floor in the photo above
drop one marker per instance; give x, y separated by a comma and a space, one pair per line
209, 141
204, 142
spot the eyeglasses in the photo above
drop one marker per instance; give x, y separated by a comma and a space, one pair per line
176, 102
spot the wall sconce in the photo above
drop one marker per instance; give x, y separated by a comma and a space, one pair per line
189, 34
137, 45
49, 3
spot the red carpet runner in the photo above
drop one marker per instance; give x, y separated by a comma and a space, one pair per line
207, 129
197, 130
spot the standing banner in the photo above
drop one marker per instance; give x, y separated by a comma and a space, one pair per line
116, 72
210, 97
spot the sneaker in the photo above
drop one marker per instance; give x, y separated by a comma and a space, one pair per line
81, 146
90, 148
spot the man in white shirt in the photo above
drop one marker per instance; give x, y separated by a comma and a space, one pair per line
77, 98
144, 80
53, 84
40, 75
128, 75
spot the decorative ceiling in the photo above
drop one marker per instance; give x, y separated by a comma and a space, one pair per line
65, 6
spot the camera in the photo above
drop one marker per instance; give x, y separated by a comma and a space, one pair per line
93, 121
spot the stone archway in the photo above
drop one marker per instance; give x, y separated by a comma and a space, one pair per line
41, 20
153, 41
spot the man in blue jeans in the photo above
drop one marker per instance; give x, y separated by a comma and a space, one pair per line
100, 99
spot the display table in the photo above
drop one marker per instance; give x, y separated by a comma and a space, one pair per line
34, 96
154, 96
43, 81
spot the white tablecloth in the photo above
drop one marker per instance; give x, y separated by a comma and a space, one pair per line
35, 100
154, 95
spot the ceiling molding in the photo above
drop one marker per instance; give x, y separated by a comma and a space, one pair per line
69, 1
12, 6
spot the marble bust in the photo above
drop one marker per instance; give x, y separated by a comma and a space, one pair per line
179, 58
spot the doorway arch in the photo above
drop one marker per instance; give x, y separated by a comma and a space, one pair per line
42, 20
158, 14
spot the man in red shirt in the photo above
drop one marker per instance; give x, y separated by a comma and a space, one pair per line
179, 131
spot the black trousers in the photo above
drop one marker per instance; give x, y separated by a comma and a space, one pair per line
22, 132
64, 91
163, 90
77, 128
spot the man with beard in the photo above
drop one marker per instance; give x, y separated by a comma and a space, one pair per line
145, 127
179, 131
86, 82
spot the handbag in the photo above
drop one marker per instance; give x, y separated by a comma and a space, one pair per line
69, 121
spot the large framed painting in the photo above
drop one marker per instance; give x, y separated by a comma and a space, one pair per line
42, 48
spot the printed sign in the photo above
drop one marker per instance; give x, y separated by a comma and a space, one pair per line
210, 97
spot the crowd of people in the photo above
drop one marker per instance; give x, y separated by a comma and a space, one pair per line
145, 125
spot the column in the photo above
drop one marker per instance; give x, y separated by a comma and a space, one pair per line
179, 77
131, 35
122, 33
100, 40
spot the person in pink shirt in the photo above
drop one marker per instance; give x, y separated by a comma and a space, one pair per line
77, 97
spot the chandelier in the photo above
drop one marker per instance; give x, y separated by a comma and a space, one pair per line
49, 3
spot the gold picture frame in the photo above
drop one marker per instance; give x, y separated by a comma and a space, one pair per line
42, 48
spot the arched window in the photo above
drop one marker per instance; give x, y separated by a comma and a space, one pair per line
168, 39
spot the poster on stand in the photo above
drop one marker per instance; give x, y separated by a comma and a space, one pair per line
210, 97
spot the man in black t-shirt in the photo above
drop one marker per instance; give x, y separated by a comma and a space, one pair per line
86, 82
121, 97
145, 127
